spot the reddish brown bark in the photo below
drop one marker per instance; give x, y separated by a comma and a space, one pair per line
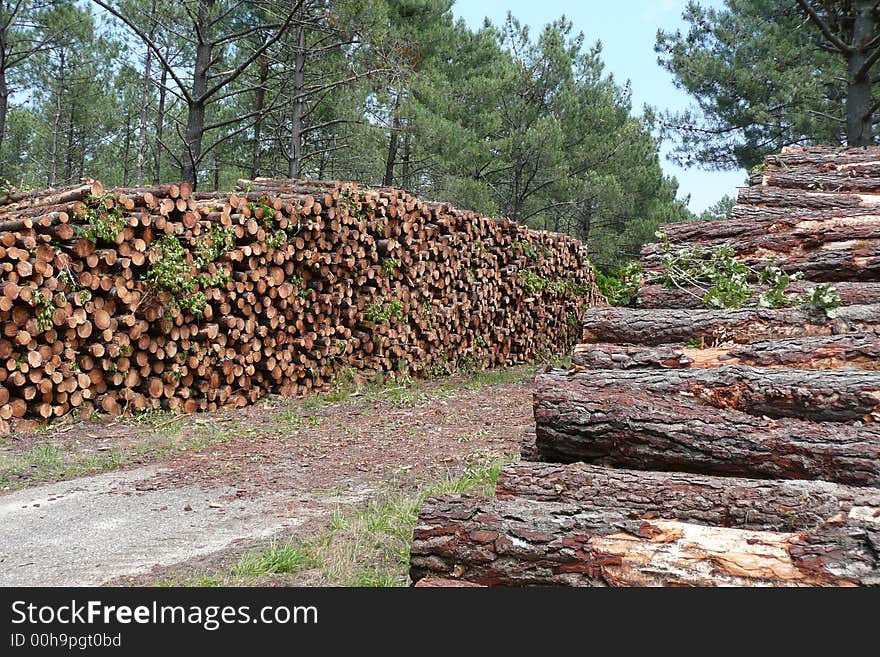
660, 296
318, 277
849, 350
765, 504
666, 326
518, 542
581, 420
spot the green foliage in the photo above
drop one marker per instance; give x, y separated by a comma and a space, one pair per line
216, 242
389, 265
528, 250
723, 279
531, 282
719, 210
352, 199
621, 285
382, 312
267, 211
173, 271
725, 282
777, 280
45, 309
761, 77
276, 239
821, 300
102, 224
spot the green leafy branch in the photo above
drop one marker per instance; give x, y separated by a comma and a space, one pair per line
102, 223
173, 271
722, 281
45, 309
619, 286
382, 312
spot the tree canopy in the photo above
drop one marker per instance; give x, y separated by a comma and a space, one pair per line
497, 119
770, 73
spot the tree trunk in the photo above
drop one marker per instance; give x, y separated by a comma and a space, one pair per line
56, 124
777, 392
160, 125
4, 102
661, 326
405, 172
145, 102
517, 542
195, 121
296, 121
659, 296
787, 201
69, 147
126, 148
391, 159
576, 420
848, 351
216, 171
763, 504
835, 261
778, 233
259, 104
859, 103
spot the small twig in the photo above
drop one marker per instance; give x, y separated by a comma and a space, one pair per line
171, 421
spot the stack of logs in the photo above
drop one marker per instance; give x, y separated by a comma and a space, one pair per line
297, 280
689, 446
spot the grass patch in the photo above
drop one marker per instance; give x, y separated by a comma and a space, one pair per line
363, 546
48, 462
403, 390
275, 560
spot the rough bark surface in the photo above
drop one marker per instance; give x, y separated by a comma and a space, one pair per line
765, 504
822, 157
822, 395
804, 201
846, 256
517, 542
659, 296
666, 326
750, 437
753, 222
444, 583
864, 178
577, 420
847, 351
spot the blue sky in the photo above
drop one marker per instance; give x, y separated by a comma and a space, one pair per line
628, 31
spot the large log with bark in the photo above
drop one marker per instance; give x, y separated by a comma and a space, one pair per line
750, 228
846, 351
763, 504
803, 201
577, 420
863, 177
846, 259
661, 296
520, 542
666, 326
822, 157
778, 392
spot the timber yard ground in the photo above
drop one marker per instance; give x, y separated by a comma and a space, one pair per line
322, 490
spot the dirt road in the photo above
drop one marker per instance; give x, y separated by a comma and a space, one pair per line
212, 483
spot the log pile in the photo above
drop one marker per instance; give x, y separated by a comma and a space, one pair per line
698, 447
132, 299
